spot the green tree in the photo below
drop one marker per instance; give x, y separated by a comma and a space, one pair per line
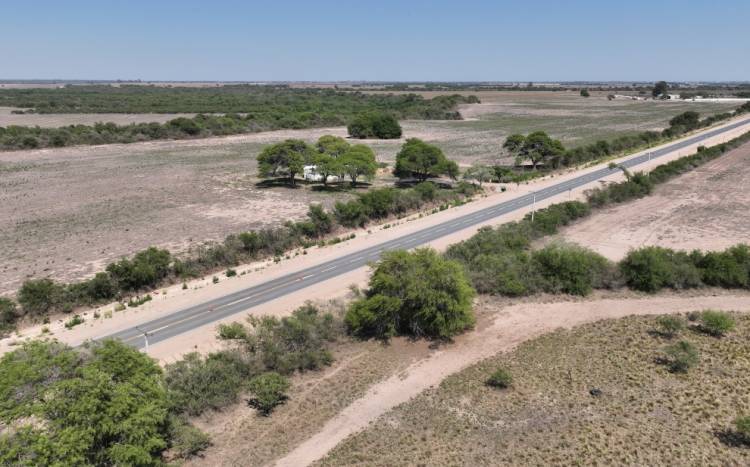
585, 92
418, 293
286, 158
328, 159
479, 173
105, 405
422, 161
358, 161
269, 390
537, 147
660, 89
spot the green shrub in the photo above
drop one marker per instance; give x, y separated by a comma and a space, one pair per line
652, 268
74, 321
418, 293
742, 426
8, 314
197, 384
186, 440
716, 323
40, 296
351, 213
729, 268
296, 342
501, 378
269, 390
145, 270
570, 269
681, 356
670, 325
230, 272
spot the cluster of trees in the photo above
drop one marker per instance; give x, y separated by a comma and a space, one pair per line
541, 150
651, 269
378, 125
152, 267
229, 110
108, 404
332, 156
264, 103
101, 404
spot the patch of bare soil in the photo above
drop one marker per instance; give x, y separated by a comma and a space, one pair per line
706, 209
501, 328
640, 413
549, 417
7, 117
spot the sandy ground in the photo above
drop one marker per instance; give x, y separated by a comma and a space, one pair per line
173, 298
66, 212
707, 209
57, 120
509, 327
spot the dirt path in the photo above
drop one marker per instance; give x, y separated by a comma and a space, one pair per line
509, 327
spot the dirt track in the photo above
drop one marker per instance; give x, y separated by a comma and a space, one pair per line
504, 331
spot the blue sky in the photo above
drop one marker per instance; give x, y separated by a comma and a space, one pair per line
385, 40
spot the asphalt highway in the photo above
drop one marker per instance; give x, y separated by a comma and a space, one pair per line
204, 313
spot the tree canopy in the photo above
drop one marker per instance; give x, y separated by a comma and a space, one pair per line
417, 293
105, 405
286, 158
660, 88
328, 159
537, 147
379, 125
420, 160
358, 161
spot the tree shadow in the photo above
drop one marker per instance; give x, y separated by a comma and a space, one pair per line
280, 183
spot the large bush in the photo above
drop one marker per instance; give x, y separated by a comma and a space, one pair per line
418, 293
652, 268
571, 269
375, 125
145, 270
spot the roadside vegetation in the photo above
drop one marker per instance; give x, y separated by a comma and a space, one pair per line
501, 260
221, 111
101, 404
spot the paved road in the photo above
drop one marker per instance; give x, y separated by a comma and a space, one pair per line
214, 310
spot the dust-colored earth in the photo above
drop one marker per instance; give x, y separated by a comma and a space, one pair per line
707, 209
65, 212
8, 118
641, 415
369, 380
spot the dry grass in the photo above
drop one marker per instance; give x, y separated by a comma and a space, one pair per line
645, 415
57, 120
705, 209
242, 437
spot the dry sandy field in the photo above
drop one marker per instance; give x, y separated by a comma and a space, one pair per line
707, 209
8, 118
409, 402
66, 212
